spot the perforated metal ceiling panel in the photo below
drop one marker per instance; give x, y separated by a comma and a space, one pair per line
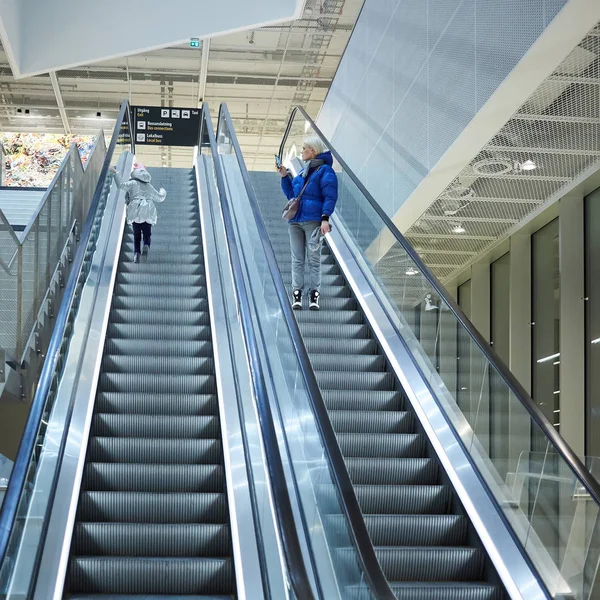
552, 140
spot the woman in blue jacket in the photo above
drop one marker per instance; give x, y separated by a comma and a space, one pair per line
311, 222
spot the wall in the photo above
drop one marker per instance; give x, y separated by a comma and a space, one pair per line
414, 75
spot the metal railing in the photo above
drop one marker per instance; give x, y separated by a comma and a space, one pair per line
28, 262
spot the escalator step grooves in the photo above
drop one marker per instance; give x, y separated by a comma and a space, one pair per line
424, 542
153, 520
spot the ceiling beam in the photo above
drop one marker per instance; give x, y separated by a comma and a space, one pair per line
59, 101
203, 70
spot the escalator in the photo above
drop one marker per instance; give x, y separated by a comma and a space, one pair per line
423, 539
153, 517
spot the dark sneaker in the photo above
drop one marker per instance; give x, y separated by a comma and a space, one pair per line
145, 253
297, 300
136, 257
314, 300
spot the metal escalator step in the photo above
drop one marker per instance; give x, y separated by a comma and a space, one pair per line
164, 279
386, 445
352, 347
176, 576
166, 292
403, 499
157, 404
157, 333
155, 426
164, 365
135, 477
410, 530
340, 380
166, 348
154, 303
348, 362
155, 450
431, 564
393, 471
331, 318
372, 422
144, 597
159, 317
326, 280
434, 591
368, 401
183, 268
151, 539
323, 330
136, 507
163, 384
334, 291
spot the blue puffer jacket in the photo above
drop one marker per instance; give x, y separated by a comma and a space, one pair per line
320, 195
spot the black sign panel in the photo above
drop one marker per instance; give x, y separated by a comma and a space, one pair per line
162, 126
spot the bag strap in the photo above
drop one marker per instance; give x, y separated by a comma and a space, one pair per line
306, 183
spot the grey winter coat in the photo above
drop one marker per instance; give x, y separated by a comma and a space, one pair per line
141, 197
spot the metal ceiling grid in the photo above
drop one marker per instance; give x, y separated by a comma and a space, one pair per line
551, 141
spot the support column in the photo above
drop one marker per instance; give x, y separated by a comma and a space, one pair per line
572, 322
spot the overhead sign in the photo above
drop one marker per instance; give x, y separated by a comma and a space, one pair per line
161, 126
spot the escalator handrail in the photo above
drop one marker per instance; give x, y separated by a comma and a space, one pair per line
16, 483
361, 539
298, 575
563, 449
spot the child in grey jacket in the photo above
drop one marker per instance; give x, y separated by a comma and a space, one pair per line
141, 208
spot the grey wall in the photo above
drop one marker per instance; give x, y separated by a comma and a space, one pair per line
413, 76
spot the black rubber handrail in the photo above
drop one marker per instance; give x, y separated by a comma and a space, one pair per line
374, 576
283, 507
18, 476
563, 449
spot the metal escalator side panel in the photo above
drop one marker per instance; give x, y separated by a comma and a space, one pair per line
251, 539
500, 543
87, 337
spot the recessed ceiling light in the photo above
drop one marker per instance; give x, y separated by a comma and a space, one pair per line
459, 229
528, 165
411, 271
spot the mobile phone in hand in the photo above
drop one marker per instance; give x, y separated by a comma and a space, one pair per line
278, 161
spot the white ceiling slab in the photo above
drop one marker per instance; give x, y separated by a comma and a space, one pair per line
40, 37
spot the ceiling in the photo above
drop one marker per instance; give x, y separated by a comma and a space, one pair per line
261, 74
557, 129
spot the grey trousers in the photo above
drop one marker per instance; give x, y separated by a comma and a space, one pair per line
300, 235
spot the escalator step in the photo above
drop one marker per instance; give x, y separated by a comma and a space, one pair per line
165, 291
318, 330
166, 365
128, 477
403, 499
353, 347
447, 590
144, 597
341, 362
410, 530
175, 576
157, 303
358, 421
386, 445
157, 404
162, 384
183, 268
164, 279
158, 332
392, 471
366, 401
425, 564
159, 317
340, 380
144, 539
132, 507
155, 426
330, 318
166, 348
155, 451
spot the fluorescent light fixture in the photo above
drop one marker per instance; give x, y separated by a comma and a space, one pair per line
556, 392
596, 341
411, 271
556, 363
528, 165
459, 229
548, 358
